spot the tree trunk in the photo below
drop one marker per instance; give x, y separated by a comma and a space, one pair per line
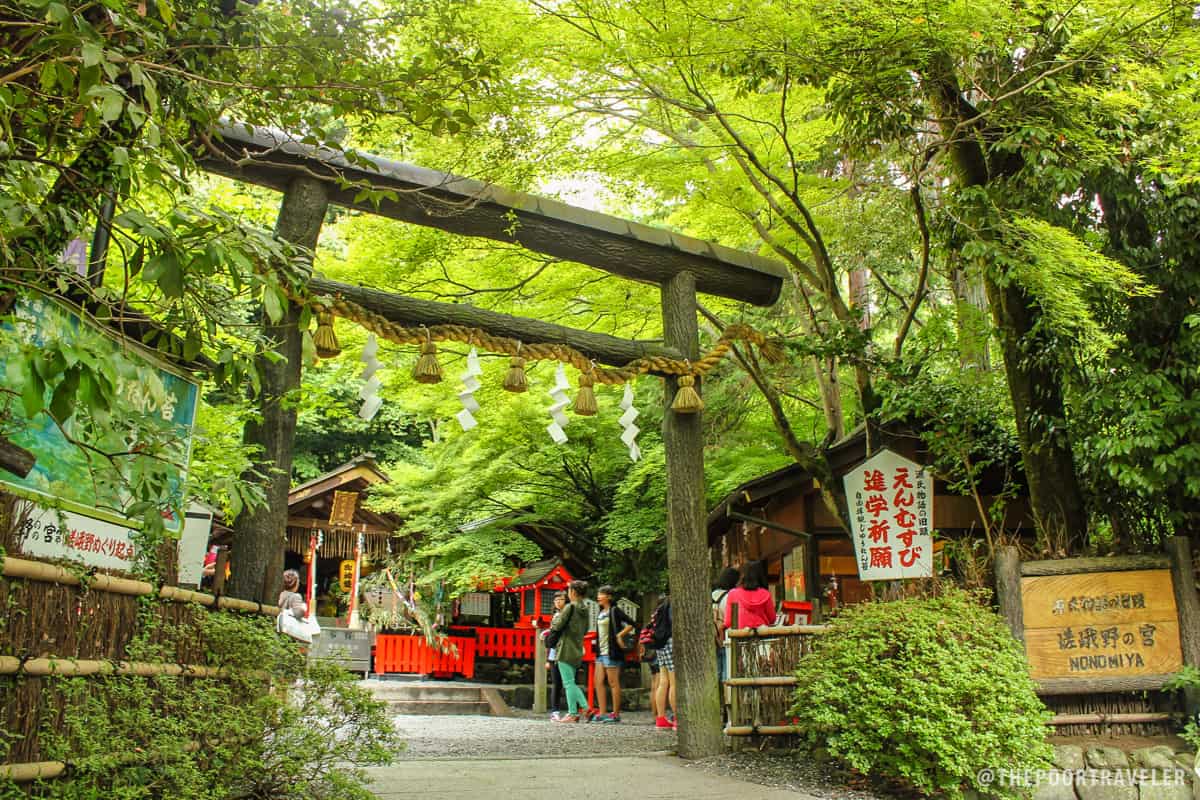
970, 318
1036, 392
258, 535
1034, 382
699, 705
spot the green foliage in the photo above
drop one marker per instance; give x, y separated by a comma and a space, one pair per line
924, 691
1188, 680
276, 727
1066, 278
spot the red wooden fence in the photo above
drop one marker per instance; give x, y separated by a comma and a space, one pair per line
413, 655
515, 643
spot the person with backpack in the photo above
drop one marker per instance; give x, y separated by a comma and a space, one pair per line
614, 631
726, 581
556, 684
663, 640
752, 599
570, 628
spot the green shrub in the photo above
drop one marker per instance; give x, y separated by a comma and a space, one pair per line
925, 691
307, 732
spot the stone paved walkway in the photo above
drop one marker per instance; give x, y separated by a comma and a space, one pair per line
655, 777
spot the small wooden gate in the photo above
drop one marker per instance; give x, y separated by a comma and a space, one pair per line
759, 689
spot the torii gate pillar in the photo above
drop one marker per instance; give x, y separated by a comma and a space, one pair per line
699, 709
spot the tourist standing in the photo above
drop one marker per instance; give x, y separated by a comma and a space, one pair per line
726, 581
573, 626
614, 635
556, 684
752, 599
665, 642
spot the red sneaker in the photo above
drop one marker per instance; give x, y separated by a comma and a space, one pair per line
663, 722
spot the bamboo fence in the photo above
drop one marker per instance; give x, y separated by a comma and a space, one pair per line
56, 622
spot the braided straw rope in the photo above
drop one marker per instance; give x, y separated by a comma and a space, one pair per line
400, 334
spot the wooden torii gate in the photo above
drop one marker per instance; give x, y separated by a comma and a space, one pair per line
313, 178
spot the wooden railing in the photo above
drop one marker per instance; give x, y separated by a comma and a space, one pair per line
415, 656
758, 690
514, 643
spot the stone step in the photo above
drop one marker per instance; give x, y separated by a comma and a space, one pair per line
449, 693
477, 707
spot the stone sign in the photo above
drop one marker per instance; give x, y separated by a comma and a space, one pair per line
1101, 624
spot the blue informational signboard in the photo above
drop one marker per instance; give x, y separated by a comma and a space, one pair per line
157, 401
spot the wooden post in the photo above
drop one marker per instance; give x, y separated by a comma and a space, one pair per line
1183, 576
539, 672
1008, 590
218, 584
699, 709
259, 534
731, 670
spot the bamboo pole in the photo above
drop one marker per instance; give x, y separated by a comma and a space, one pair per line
1114, 719
762, 730
53, 573
32, 771
43, 770
11, 665
780, 630
782, 680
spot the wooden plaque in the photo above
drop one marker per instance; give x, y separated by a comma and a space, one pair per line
1101, 624
344, 505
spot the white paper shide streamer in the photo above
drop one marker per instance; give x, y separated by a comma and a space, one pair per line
470, 382
558, 393
629, 430
369, 393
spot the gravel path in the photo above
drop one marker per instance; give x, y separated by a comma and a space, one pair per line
529, 736
526, 735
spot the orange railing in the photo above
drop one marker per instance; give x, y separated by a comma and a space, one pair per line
515, 643
413, 655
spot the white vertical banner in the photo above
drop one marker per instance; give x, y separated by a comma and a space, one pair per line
193, 543
891, 517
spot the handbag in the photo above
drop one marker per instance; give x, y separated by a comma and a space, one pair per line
287, 624
311, 625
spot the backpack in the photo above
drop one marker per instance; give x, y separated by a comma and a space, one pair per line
662, 626
646, 637
718, 621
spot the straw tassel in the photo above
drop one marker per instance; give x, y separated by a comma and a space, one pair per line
514, 379
772, 351
325, 338
585, 401
427, 369
687, 399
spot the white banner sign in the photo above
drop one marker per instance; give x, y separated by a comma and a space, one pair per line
193, 544
891, 516
49, 533
53, 534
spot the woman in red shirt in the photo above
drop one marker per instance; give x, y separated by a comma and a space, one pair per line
752, 599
